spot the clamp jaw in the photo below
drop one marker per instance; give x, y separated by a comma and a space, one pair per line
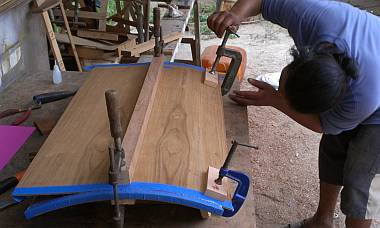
240, 192
241, 179
234, 66
157, 32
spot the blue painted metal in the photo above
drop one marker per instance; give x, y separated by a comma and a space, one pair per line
240, 192
135, 190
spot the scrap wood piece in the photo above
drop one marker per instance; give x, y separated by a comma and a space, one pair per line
91, 34
138, 123
211, 79
146, 46
45, 5
214, 190
85, 42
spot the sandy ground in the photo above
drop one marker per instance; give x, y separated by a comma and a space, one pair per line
285, 170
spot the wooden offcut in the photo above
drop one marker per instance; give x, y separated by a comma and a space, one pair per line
213, 189
97, 35
139, 120
146, 46
184, 135
211, 79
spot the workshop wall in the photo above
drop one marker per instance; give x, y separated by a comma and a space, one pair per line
23, 45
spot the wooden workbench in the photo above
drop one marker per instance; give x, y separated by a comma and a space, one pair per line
100, 214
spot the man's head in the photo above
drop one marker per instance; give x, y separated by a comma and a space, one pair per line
317, 78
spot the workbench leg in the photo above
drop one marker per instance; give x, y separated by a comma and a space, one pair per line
197, 54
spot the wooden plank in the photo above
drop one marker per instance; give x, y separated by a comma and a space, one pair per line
82, 14
72, 44
84, 42
185, 133
97, 35
146, 46
137, 125
53, 41
103, 12
76, 151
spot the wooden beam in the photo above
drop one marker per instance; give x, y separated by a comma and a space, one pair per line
82, 14
84, 42
53, 41
146, 46
139, 120
91, 34
211, 79
70, 36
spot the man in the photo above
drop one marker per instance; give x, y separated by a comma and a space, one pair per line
332, 87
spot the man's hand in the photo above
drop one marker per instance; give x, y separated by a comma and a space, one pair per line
220, 21
265, 96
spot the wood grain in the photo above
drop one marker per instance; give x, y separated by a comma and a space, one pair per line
76, 150
185, 133
138, 123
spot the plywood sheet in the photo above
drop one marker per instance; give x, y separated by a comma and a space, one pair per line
76, 150
185, 133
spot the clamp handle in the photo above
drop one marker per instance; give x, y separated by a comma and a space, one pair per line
241, 191
157, 31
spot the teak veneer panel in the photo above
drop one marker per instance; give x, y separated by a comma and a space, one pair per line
185, 133
76, 151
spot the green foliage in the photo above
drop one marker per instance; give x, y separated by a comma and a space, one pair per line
205, 12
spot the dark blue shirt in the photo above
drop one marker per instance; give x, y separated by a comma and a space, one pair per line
355, 32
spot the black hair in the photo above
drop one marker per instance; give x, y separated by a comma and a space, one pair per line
317, 78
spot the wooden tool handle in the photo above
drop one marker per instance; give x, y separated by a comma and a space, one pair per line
9, 112
113, 109
156, 22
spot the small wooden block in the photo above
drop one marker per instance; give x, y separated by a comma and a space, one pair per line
205, 214
211, 79
214, 190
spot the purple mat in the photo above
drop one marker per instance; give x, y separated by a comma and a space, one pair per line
11, 140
